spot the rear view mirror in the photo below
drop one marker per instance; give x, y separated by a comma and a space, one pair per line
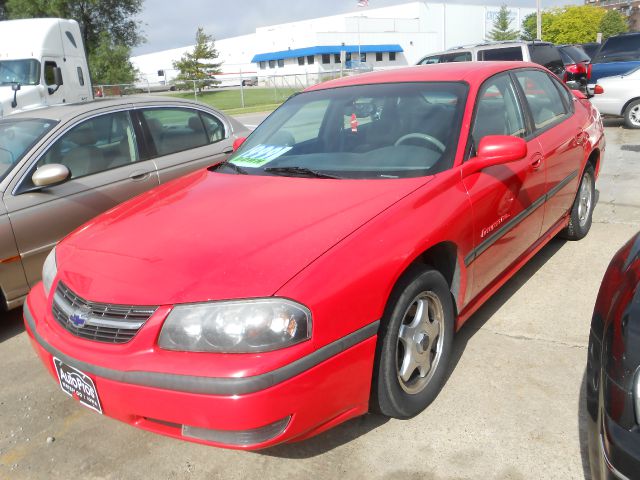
496, 150
50, 175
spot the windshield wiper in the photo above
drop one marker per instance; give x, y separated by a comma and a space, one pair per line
232, 166
298, 172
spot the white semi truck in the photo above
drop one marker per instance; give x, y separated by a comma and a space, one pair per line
42, 62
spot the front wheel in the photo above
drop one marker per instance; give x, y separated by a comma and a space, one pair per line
414, 345
632, 114
582, 211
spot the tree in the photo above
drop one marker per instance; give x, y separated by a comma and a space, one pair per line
96, 17
501, 24
613, 23
110, 64
574, 24
3, 9
530, 27
199, 64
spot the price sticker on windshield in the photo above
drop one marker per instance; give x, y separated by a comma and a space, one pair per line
260, 155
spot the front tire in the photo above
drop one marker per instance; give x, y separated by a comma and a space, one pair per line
582, 211
414, 344
632, 114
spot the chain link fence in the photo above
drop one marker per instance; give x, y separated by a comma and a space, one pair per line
229, 92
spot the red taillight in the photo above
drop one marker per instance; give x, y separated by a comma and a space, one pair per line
573, 68
598, 89
589, 71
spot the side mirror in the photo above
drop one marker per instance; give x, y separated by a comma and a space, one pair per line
15, 87
496, 150
237, 142
50, 175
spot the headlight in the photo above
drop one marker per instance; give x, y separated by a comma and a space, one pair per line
49, 271
240, 326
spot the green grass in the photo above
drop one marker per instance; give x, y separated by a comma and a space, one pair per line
255, 99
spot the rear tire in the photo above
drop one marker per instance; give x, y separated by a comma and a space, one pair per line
414, 344
582, 211
632, 114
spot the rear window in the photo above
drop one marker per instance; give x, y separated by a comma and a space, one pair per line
623, 48
548, 56
508, 54
573, 54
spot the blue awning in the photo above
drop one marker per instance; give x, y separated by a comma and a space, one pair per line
323, 49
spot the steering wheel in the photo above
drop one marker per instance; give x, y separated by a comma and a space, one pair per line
422, 136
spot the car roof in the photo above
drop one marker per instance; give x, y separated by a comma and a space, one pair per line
65, 111
470, 72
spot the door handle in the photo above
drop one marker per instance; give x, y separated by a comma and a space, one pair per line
138, 176
228, 151
537, 162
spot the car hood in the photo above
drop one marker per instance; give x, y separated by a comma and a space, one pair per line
213, 236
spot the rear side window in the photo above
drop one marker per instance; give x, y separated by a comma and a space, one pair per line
175, 129
548, 56
430, 60
457, 57
508, 54
623, 48
543, 98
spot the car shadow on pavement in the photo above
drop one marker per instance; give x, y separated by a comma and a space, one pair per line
583, 433
327, 441
11, 324
498, 299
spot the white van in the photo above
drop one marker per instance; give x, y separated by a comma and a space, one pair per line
42, 62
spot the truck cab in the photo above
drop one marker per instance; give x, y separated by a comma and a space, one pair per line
42, 62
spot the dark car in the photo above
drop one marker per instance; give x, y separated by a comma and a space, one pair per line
613, 368
590, 48
617, 56
577, 66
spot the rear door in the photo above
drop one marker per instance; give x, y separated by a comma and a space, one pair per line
181, 140
559, 132
102, 155
506, 199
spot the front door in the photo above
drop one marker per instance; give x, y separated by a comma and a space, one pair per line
102, 155
506, 199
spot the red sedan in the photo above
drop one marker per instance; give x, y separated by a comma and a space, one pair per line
323, 270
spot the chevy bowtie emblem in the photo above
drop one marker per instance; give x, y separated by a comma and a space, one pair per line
80, 316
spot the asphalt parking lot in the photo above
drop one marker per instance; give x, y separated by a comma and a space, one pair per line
512, 406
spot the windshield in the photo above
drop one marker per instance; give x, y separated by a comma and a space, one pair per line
17, 137
24, 72
624, 48
367, 131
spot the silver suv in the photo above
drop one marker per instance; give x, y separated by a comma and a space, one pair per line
542, 53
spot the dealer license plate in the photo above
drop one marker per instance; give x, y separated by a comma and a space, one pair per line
77, 385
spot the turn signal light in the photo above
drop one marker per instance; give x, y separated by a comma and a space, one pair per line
598, 89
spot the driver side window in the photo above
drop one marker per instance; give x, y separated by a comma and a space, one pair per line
497, 111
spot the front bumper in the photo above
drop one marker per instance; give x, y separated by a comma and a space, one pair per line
614, 452
290, 403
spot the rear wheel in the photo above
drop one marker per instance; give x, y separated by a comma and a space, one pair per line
582, 210
632, 114
414, 346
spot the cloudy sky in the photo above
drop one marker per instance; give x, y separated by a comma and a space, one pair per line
173, 24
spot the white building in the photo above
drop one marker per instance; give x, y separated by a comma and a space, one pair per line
379, 37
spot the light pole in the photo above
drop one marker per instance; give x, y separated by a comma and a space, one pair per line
538, 21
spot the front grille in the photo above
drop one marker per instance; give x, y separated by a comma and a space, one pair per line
101, 322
